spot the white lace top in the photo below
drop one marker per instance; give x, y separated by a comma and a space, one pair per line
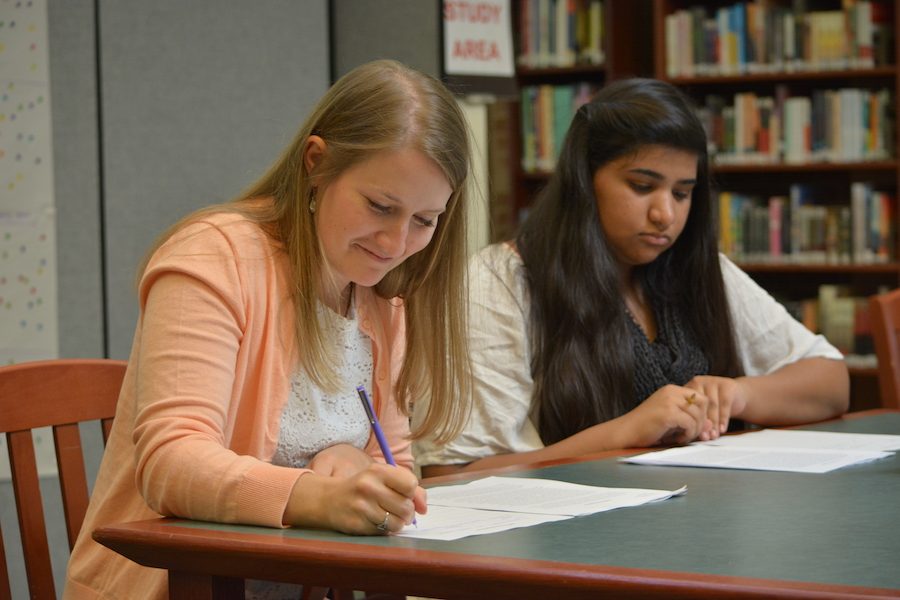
313, 420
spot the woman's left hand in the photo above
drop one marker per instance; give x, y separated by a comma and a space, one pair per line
727, 398
340, 460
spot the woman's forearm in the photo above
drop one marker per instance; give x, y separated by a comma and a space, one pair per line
610, 435
808, 390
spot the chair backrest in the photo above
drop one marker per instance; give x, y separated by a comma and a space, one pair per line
59, 394
885, 317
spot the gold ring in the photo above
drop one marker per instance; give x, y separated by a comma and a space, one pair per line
382, 527
690, 399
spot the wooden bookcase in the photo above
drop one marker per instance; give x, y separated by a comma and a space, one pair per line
788, 277
627, 51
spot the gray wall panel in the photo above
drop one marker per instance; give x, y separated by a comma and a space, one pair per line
73, 102
196, 103
405, 30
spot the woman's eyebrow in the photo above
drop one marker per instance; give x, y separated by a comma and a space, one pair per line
398, 200
655, 175
647, 172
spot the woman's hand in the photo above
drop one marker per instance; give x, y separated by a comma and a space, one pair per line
804, 391
340, 460
380, 495
727, 398
671, 415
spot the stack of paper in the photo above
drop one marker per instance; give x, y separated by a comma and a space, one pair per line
777, 450
497, 504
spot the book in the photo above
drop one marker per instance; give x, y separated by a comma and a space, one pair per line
501, 165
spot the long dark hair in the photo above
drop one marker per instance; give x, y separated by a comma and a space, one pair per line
582, 365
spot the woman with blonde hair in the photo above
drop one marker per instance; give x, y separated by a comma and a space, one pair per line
341, 267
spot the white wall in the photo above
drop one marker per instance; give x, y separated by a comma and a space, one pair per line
479, 215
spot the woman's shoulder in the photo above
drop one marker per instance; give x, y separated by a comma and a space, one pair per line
746, 297
501, 257
496, 272
227, 224
733, 275
218, 232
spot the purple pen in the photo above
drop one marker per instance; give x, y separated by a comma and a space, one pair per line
376, 427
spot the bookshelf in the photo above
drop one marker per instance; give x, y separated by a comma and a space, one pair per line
565, 49
800, 98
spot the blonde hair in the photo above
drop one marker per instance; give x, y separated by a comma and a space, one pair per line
379, 106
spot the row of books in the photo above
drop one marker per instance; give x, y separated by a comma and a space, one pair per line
560, 33
546, 111
842, 317
830, 125
808, 226
761, 37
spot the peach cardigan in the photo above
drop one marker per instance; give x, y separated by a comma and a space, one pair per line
198, 415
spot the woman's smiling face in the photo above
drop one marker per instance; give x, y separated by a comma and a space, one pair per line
378, 213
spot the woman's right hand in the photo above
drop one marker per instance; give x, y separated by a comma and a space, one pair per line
357, 504
340, 460
671, 415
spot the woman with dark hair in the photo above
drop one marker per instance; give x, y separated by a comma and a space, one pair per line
612, 320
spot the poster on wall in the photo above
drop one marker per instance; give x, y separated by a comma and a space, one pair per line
478, 46
28, 311
28, 315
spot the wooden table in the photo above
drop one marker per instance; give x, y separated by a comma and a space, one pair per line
735, 534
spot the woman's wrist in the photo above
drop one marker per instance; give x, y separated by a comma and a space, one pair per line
624, 432
305, 506
741, 398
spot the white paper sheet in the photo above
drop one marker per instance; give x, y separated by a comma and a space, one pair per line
810, 440
756, 458
453, 522
497, 504
541, 496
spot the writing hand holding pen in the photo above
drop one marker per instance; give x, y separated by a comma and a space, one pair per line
379, 435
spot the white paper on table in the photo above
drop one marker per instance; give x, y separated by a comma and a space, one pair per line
541, 496
495, 504
453, 523
809, 440
759, 459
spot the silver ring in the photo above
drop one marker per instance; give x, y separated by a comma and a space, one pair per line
382, 527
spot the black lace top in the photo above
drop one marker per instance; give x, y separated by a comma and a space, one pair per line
673, 357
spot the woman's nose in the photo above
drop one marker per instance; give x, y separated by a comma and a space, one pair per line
392, 239
662, 210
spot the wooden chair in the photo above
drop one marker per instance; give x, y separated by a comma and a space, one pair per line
59, 394
885, 318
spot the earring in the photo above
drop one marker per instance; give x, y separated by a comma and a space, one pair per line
312, 201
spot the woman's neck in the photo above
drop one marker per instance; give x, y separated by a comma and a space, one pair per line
640, 310
339, 301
